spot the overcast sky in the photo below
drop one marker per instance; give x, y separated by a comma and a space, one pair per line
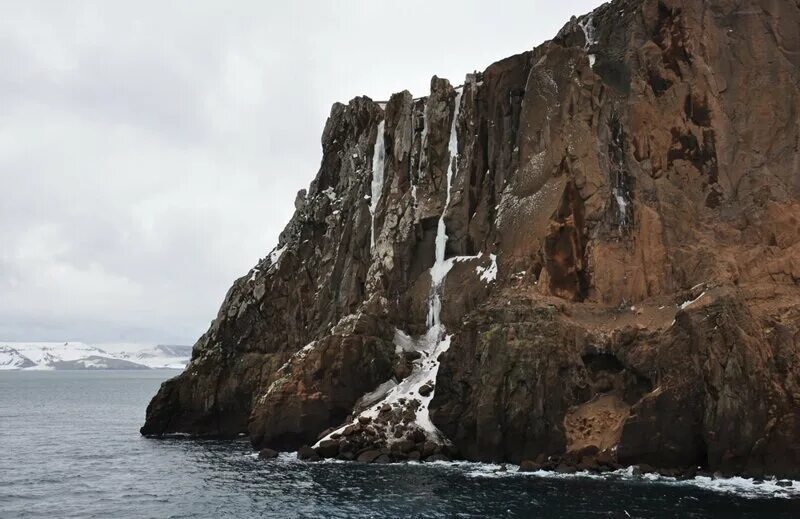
150, 151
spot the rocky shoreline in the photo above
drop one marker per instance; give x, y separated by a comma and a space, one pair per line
589, 463
584, 256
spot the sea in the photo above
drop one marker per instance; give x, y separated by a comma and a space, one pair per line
70, 447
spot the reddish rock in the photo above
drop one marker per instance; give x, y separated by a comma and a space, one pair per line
631, 206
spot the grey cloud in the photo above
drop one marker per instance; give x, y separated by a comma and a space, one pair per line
150, 151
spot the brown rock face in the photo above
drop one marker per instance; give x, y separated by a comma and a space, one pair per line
622, 246
317, 387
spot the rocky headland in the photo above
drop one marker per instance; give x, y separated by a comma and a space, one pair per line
585, 256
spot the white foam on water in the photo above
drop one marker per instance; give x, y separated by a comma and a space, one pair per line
743, 487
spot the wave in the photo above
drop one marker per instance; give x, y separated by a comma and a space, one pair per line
740, 486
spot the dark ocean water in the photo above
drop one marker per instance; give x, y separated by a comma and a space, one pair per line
70, 447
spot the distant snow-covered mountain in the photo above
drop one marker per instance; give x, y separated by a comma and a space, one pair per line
77, 355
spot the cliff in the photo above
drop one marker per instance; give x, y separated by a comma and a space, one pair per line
589, 251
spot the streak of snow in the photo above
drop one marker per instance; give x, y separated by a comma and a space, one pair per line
434, 342
622, 204
300, 354
587, 26
378, 158
440, 267
424, 370
687, 304
276, 254
305, 350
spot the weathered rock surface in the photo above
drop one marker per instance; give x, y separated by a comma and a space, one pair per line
623, 244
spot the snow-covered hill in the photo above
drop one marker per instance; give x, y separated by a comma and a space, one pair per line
77, 355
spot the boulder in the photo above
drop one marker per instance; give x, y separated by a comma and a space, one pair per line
306, 453
328, 448
368, 456
267, 454
346, 456
426, 389
403, 445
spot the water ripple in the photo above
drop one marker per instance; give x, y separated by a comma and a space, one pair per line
69, 447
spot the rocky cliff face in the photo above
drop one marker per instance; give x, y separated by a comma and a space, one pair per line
590, 247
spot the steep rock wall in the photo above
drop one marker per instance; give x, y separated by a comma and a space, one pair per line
623, 245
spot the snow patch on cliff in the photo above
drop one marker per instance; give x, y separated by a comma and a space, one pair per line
378, 159
425, 369
587, 26
488, 274
687, 304
440, 266
330, 193
275, 255
434, 342
622, 205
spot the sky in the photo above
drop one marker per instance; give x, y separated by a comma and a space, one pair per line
150, 151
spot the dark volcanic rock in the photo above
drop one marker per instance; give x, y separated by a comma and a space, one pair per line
623, 227
368, 456
328, 448
426, 390
267, 454
306, 453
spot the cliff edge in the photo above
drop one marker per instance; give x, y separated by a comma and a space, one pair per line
589, 251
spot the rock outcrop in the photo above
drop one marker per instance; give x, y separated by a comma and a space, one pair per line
590, 251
